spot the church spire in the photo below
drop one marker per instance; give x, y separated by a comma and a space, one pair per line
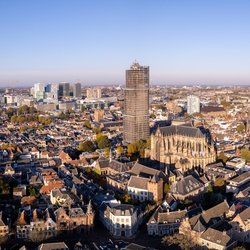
89, 208
34, 217
47, 214
110, 155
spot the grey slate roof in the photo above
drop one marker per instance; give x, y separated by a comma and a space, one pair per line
171, 217
141, 170
245, 216
186, 185
210, 216
120, 166
138, 182
118, 209
182, 130
215, 236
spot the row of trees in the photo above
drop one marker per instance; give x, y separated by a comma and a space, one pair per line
101, 142
244, 154
23, 110
31, 118
138, 147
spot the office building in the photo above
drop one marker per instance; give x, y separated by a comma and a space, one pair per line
193, 104
77, 88
64, 89
52, 91
39, 91
136, 113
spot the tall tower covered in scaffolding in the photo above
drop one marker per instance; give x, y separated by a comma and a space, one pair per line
136, 112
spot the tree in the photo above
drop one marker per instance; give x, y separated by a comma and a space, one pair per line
219, 185
131, 149
87, 124
152, 116
103, 142
222, 157
239, 248
107, 152
97, 130
219, 182
33, 192
126, 198
4, 186
240, 128
119, 150
23, 110
225, 104
185, 242
10, 112
148, 143
83, 108
99, 136
166, 188
245, 154
87, 146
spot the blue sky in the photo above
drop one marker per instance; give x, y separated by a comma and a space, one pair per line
95, 41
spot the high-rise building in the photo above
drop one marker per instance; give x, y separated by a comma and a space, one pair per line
52, 91
77, 88
193, 104
39, 91
64, 89
94, 93
136, 112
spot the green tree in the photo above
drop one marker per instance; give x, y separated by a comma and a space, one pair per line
222, 157
126, 198
33, 192
103, 142
239, 248
219, 185
13, 119
166, 188
148, 143
131, 149
83, 108
10, 112
4, 186
219, 182
245, 154
97, 130
99, 136
225, 104
240, 128
141, 146
152, 116
107, 152
23, 110
87, 124
119, 150
210, 188
86, 146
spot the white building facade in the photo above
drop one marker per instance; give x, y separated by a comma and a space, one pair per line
193, 104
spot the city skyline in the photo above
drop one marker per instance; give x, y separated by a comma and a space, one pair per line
92, 42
